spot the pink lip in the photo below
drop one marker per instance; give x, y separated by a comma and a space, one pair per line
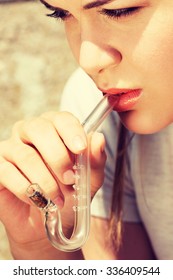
123, 99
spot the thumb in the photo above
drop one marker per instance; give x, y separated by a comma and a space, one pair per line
97, 161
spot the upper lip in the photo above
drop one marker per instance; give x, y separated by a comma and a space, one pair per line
117, 90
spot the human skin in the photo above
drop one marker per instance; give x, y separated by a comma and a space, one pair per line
134, 51
36, 152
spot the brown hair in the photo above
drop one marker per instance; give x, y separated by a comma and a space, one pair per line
115, 224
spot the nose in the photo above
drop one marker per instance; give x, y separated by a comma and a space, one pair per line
95, 58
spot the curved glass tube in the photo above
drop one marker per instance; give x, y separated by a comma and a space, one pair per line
81, 207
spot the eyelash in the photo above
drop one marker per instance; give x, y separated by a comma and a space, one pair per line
59, 14
114, 14
119, 13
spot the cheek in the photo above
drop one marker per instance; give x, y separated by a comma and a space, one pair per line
155, 62
152, 58
153, 54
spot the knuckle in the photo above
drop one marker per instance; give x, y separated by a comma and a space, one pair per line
16, 128
36, 129
4, 146
38, 124
66, 119
4, 167
23, 153
2, 163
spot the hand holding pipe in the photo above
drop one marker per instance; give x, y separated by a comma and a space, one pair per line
82, 199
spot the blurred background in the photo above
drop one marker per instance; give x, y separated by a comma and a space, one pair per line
35, 63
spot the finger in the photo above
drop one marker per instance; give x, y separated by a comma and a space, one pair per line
97, 161
43, 136
29, 163
13, 180
70, 130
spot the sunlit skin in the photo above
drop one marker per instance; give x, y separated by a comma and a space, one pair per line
134, 51
121, 44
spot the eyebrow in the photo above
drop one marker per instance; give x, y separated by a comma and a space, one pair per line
50, 7
95, 4
88, 6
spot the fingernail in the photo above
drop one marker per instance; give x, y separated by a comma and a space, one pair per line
79, 143
68, 177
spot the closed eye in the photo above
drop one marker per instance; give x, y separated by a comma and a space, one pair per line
57, 12
119, 13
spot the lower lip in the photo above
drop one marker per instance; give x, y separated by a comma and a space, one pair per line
125, 101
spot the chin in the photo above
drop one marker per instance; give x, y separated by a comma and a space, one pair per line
142, 124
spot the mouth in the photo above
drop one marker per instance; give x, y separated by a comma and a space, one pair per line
123, 99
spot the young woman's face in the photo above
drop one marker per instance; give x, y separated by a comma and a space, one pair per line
126, 44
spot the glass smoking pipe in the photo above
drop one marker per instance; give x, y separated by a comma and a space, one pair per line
81, 195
